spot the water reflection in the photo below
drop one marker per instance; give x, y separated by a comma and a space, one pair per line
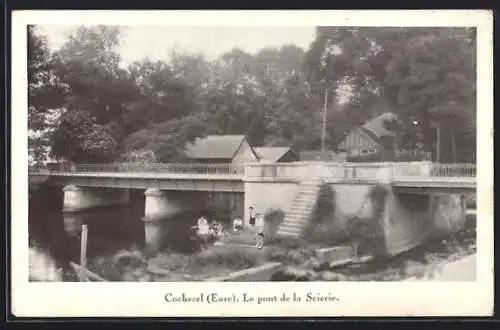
73, 223
109, 229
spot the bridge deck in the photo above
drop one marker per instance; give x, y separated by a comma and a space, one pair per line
419, 177
150, 175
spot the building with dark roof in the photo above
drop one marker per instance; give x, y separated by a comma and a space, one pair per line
276, 154
371, 138
221, 149
318, 155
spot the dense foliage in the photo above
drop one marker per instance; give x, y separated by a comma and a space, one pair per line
88, 106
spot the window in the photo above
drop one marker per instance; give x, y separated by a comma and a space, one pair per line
364, 151
372, 150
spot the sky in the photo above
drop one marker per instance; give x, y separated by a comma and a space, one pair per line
155, 42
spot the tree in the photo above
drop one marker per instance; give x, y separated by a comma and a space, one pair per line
162, 95
45, 95
99, 91
435, 80
78, 138
427, 75
168, 139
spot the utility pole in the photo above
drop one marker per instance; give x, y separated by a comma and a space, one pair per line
438, 144
323, 131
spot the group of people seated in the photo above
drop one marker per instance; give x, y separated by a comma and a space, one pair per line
211, 232
206, 230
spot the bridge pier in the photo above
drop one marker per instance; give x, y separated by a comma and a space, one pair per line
160, 206
83, 198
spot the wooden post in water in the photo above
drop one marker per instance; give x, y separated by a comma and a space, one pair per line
83, 254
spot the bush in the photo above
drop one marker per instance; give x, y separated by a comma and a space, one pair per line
368, 234
170, 261
228, 256
295, 256
330, 233
273, 218
325, 206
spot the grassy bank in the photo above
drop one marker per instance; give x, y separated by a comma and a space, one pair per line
135, 265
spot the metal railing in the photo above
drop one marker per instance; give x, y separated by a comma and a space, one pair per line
228, 169
276, 170
453, 170
296, 171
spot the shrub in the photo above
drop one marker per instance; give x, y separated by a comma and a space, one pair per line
129, 258
227, 256
296, 256
330, 233
170, 261
273, 218
107, 269
326, 206
369, 235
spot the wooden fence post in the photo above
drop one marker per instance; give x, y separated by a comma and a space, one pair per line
83, 253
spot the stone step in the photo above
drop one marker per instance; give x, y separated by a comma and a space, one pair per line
293, 225
300, 211
307, 190
309, 204
304, 198
299, 219
296, 219
295, 222
286, 233
302, 222
308, 201
303, 202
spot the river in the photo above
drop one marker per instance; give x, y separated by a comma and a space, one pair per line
109, 229
120, 227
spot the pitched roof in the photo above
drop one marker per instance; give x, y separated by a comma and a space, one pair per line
271, 154
214, 147
318, 154
376, 125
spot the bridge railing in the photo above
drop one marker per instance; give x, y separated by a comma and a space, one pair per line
174, 168
287, 171
295, 171
428, 169
453, 170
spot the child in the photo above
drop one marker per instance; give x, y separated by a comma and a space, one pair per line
251, 220
202, 229
259, 226
237, 224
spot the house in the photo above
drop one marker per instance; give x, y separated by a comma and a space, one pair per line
276, 154
317, 155
369, 139
215, 149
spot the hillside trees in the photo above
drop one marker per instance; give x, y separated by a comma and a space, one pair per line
45, 93
427, 76
107, 110
92, 122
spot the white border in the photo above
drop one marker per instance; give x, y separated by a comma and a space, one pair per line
356, 298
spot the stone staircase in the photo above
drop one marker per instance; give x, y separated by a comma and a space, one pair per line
299, 214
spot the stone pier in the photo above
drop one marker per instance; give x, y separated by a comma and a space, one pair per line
84, 198
160, 206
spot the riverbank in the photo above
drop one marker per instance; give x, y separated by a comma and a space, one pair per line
300, 262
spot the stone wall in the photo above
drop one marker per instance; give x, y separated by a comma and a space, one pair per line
408, 221
264, 196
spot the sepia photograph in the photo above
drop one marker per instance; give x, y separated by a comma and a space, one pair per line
251, 153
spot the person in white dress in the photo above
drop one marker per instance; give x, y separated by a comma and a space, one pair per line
237, 224
202, 229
